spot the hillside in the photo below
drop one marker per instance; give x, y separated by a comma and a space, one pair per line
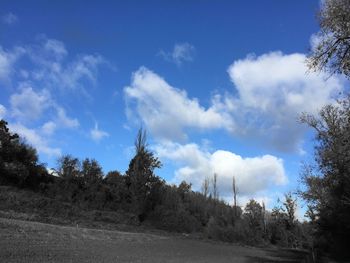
25, 241
71, 234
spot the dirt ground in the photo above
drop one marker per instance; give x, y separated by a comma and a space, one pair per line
25, 241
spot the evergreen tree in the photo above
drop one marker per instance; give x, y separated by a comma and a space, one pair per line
141, 180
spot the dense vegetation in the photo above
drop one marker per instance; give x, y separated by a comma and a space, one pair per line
327, 180
146, 197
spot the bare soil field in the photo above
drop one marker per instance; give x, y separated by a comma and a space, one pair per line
26, 241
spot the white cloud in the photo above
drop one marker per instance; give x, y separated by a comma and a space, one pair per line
49, 127
2, 111
165, 110
7, 61
182, 52
273, 89
275, 79
253, 175
28, 104
9, 18
97, 134
33, 138
64, 120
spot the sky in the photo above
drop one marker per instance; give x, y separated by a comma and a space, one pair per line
217, 85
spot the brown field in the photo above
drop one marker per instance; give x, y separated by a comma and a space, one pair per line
25, 241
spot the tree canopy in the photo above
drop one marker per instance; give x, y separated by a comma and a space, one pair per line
327, 182
332, 48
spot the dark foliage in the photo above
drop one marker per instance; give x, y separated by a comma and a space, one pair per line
328, 181
19, 162
141, 181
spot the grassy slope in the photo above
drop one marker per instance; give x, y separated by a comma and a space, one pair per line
73, 239
24, 241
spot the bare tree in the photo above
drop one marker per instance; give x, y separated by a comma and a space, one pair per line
205, 186
264, 217
234, 189
215, 187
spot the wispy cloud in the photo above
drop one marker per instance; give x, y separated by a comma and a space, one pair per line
8, 59
52, 67
2, 111
181, 53
36, 72
9, 18
97, 134
49, 127
28, 104
64, 120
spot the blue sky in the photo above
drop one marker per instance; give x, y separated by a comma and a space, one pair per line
218, 86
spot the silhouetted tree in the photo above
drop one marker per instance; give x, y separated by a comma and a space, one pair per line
68, 167
19, 161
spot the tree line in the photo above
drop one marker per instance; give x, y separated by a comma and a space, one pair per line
326, 181
141, 193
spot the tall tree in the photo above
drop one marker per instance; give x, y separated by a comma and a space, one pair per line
205, 186
290, 206
215, 190
234, 189
327, 182
332, 48
141, 179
